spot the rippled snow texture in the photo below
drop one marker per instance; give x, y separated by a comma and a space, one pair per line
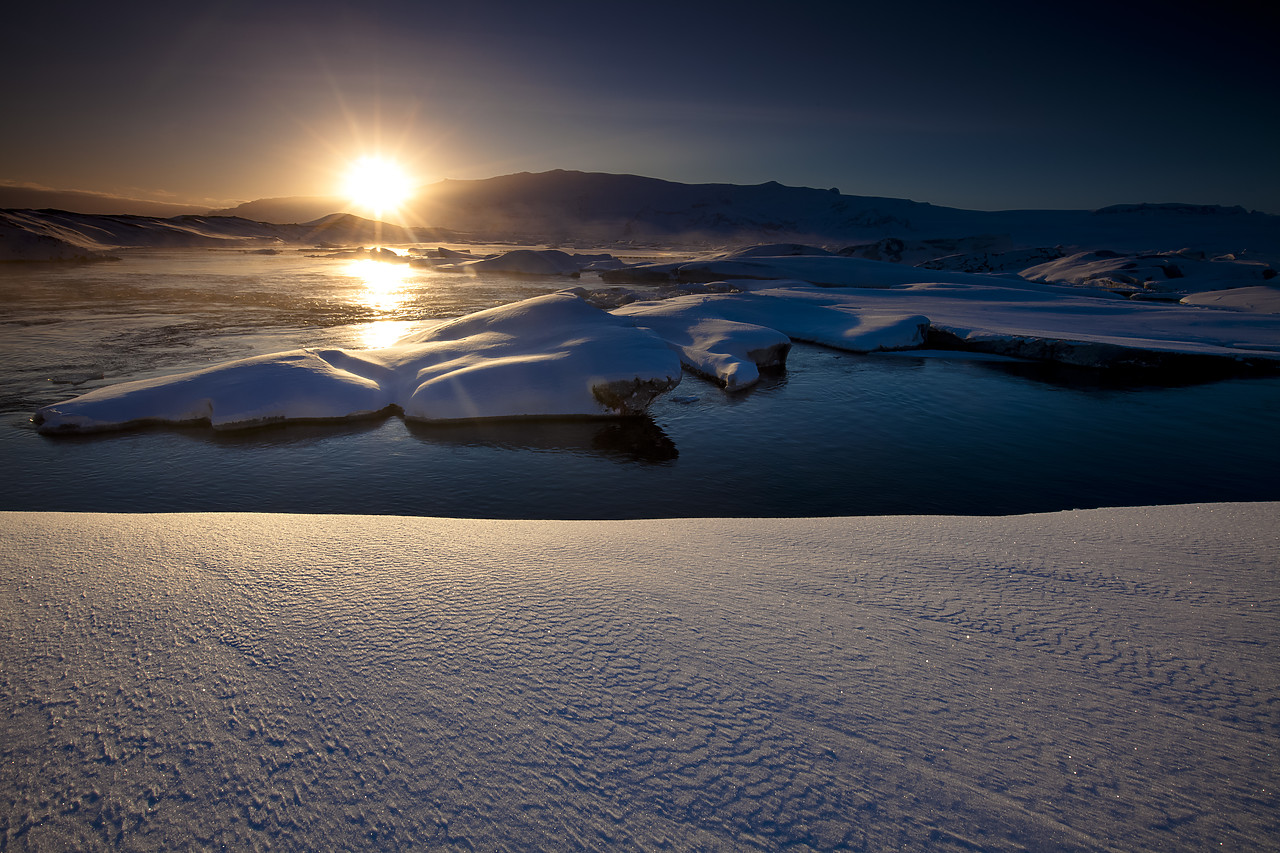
1085, 680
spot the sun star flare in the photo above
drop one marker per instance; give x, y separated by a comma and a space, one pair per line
377, 184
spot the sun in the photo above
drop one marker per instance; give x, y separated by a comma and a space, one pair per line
377, 184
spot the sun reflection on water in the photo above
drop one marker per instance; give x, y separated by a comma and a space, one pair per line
386, 288
384, 283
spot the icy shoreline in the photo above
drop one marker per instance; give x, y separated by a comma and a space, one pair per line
1074, 681
610, 351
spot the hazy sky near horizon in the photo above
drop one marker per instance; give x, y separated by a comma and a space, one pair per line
980, 105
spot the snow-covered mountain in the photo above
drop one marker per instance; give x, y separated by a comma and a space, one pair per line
581, 208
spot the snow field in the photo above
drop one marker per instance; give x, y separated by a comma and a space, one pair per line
1096, 680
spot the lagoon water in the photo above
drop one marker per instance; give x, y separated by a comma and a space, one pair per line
835, 434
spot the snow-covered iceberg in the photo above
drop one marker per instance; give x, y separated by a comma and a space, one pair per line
521, 262
729, 352
729, 336
530, 262
295, 385
550, 356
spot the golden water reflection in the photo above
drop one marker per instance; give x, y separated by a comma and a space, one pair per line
384, 283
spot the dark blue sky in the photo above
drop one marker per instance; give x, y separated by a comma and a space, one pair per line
984, 105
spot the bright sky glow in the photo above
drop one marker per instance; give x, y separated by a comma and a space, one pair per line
948, 103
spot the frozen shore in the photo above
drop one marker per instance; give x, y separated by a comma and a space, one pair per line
1091, 680
610, 352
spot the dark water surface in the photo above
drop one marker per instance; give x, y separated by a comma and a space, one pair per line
836, 434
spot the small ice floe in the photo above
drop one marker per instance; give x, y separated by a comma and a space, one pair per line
551, 356
74, 377
919, 252
1259, 299
361, 253
534, 262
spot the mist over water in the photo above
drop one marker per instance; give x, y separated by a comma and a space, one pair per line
834, 434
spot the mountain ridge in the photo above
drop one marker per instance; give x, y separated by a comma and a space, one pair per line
19, 197
562, 207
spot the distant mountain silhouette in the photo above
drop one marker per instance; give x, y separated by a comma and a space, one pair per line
36, 198
591, 208
599, 209
286, 210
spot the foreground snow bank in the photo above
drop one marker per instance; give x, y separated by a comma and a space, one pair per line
553, 355
1099, 680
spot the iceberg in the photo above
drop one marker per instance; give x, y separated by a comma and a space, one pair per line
550, 356
553, 355
729, 336
1158, 272
531, 262
1071, 326
1063, 316
295, 385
